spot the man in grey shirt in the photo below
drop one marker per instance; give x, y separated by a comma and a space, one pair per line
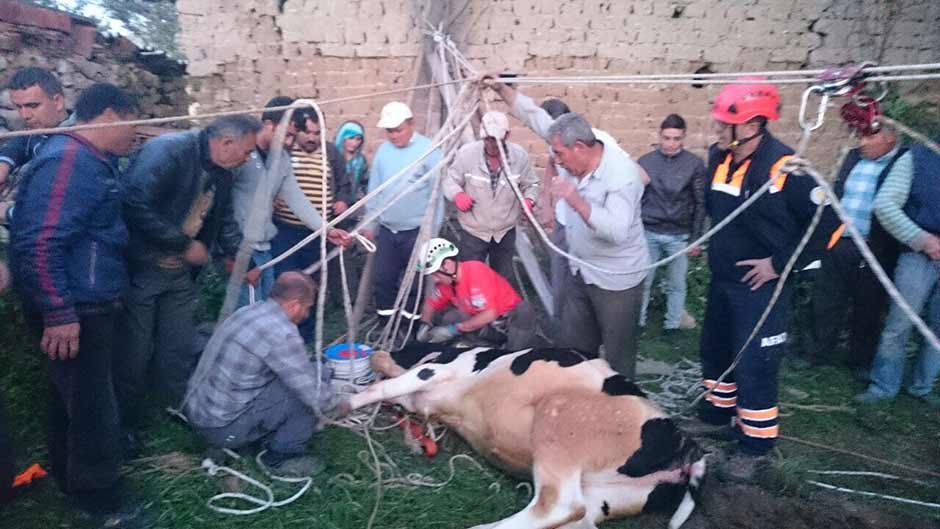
254, 213
673, 214
601, 193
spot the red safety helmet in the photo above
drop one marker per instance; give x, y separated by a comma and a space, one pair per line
740, 103
863, 114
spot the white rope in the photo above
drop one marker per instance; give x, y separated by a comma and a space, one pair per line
261, 504
794, 162
425, 231
930, 144
362, 202
696, 81
704, 78
866, 473
324, 271
872, 261
874, 494
775, 296
802, 76
572, 258
211, 115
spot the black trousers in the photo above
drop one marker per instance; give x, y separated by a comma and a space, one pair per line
846, 289
84, 431
500, 253
158, 327
750, 390
391, 257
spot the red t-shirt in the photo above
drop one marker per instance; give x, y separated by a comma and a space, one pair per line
480, 288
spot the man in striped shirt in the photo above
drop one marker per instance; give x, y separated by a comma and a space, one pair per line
307, 163
906, 206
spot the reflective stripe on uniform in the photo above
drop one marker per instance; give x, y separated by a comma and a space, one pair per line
759, 423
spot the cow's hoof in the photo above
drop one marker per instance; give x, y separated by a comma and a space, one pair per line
382, 362
343, 409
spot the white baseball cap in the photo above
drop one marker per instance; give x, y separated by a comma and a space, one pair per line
494, 125
393, 115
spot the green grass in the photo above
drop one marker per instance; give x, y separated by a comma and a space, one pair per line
903, 431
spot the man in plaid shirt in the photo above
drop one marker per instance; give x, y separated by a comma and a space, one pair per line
255, 380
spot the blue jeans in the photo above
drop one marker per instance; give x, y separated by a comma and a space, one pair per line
918, 279
662, 245
265, 281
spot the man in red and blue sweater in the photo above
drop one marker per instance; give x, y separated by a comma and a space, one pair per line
67, 240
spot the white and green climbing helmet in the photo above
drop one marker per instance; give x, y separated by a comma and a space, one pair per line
433, 254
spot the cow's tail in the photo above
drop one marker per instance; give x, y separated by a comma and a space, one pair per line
696, 475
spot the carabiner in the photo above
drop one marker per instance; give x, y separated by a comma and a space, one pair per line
862, 99
820, 112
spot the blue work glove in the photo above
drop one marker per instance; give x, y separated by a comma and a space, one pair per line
443, 333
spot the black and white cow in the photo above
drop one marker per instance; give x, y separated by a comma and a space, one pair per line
595, 446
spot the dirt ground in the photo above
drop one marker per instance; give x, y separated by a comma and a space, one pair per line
725, 506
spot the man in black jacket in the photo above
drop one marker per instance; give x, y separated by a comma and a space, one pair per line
845, 283
177, 204
673, 214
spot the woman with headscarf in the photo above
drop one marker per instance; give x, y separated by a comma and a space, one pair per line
349, 141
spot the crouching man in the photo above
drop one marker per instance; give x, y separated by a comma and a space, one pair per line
256, 382
484, 302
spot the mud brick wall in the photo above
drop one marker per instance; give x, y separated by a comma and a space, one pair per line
242, 52
80, 56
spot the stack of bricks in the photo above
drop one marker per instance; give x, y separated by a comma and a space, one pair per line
242, 53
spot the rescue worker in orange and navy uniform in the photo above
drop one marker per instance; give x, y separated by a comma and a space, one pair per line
746, 259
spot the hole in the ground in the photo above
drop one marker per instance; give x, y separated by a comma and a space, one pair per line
677, 11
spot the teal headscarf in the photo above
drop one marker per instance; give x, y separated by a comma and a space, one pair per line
355, 166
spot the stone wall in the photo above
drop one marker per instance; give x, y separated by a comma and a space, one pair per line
73, 48
243, 52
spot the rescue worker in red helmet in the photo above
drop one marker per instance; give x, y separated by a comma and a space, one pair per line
746, 259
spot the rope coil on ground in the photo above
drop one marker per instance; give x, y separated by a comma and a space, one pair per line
262, 504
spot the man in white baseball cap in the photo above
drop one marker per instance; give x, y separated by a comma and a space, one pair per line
478, 185
393, 115
396, 230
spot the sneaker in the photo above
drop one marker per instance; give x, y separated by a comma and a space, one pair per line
286, 465
687, 322
870, 397
741, 467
